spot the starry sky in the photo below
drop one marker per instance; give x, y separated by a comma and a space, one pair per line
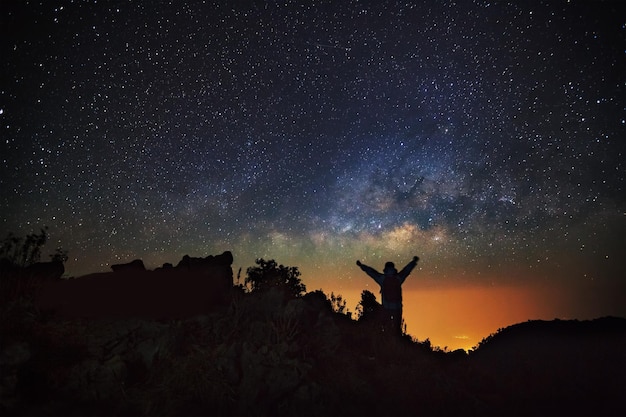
487, 138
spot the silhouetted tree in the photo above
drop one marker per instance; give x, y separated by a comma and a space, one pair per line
268, 274
19, 264
368, 308
338, 304
23, 252
60, 255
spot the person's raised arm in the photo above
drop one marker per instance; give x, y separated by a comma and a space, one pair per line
408, 268
369, 271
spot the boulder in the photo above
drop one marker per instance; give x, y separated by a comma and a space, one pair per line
136, 265
46, 270
166, 293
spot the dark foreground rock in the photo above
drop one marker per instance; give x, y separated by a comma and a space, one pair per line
195, 286
270, 354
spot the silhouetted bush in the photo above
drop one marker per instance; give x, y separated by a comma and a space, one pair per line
23, 252
20, 270
368, 308
339, 304
269, 274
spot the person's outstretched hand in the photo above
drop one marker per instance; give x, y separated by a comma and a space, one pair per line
358, 263
415, 259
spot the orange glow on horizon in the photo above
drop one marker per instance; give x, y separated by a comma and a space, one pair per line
460, 318
454, 307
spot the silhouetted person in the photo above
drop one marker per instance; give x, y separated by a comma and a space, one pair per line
390, 282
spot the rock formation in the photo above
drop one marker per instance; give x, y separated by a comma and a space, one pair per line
136, 265
195, 286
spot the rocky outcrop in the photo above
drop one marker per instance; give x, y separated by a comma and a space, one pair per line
41, 271
195, 286
46, 270
133, 266
205, 264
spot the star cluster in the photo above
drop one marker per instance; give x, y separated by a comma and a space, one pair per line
474, 134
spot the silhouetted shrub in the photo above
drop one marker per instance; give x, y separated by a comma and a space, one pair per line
368, 308
269, 274
338, 304
20, 269
23, 252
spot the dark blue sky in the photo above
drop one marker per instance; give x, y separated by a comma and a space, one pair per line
482, 136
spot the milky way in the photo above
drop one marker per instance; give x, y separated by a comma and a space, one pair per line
477, 135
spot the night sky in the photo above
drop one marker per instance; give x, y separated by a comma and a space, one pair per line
487, 138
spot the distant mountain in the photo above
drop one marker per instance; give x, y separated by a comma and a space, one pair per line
558, 367
540, 334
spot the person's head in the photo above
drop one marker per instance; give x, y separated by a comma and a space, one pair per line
390, 269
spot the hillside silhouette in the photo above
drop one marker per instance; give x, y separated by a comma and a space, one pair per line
183, 340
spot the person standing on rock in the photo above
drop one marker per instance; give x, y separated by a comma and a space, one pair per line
390, 282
